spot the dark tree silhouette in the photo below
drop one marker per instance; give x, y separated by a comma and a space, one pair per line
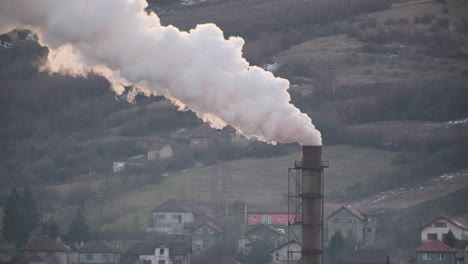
449, 239
79, 229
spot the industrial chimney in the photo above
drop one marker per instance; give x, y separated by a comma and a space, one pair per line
312, 204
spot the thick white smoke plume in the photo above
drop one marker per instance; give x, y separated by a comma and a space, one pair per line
198, 70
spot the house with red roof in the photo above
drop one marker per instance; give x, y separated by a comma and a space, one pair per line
205, 231
170, 217
351, 223
438, 228
47, 249
435, 252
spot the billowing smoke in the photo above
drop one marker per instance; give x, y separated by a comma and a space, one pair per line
198, 70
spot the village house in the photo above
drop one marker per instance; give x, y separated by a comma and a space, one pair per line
350, 223
47, 249
259, 233
170, 217
435, 252
203, 136
159, 252
95, 252
289, 252
51, 226
274, 214
362, 256
205, 232
462, 251
438, 228
161, 154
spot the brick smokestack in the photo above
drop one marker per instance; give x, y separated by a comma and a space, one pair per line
312, 205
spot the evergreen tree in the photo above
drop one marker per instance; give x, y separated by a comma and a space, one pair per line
335, 245
449, 239
51, 230
12, 216
21, 216
30, 214
79, 229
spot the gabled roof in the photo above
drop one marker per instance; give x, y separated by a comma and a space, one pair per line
450, 219
99, 246
202, 131
147, 248
285, 244
44, 244
211, 221
172, 205
434, 246
32, 259
363, 256
251, 228
351, 210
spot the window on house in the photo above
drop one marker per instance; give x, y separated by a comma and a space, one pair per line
199, 231
369, 219
440, 224
105, 256
290, 255
89, 256
161, 251
211, 231
426, 256
254, 217
161, 261
431, 236
161, 217
280, 217
350, 220
336, 220
440, 256
369, 229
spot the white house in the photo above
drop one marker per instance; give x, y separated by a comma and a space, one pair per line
439, 227
159, 253
170, 217
281, 253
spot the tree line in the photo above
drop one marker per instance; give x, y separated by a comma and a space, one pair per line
21, 217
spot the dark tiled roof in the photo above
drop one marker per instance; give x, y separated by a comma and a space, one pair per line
44, 244
31, 259
285, 244
99, 246
211, 221
251, 228
202, 131
363, 256
351, 210
172, 205
434, 246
